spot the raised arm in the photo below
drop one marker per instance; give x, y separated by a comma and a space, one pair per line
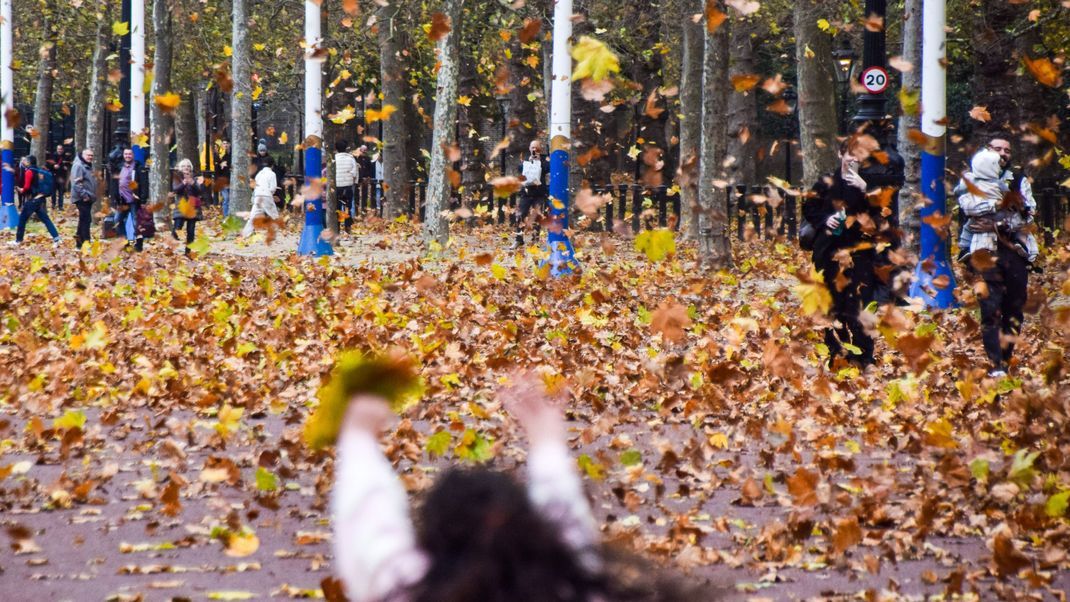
554, 486
374, 542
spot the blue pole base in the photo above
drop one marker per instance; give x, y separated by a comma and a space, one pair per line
311, 242
9, 218
562, 257
933, 247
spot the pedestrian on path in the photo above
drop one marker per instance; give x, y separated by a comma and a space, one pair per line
189, 194
37, 189
263, 195
130, 202
83, 194
480, 536
345, 177
60, 166
848, 229
534, 192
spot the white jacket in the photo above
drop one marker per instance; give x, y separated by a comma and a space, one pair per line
345, 169
266, 183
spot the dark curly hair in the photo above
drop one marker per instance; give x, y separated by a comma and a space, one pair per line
487, 542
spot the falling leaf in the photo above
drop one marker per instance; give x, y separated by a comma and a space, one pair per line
373, 115
811, 290
168, 102
593, 60
980, 114
120, 28
343, 116
670, 319
743, 82
714, 17
440, 26
1044, 71
745, 7
656, 244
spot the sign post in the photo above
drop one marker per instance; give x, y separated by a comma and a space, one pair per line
934, 279
562, 256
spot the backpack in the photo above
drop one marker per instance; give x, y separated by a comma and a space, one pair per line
44, 184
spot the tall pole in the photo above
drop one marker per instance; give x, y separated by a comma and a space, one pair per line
933, 244
562, 256
312, 242
9, 217
137, 80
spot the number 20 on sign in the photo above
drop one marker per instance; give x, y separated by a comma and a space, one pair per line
875, 80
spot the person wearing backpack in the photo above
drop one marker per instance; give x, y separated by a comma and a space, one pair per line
37, 189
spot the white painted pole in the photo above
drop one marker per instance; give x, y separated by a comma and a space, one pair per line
137, 78
8, 214
312, 241
562, 255
933, 72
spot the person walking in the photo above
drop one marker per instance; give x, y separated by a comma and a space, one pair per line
189, 194
24, 181
534, 192
1001, 251
222, 176
83, 194
377, 184
849, 230
263, 195
346, 170
60, 167
37, 189
129, 201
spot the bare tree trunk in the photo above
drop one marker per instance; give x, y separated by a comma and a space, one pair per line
436, 227
78, 143
42, 108
690, 117
392, 72
186, 134
742, 109
241, 107
908, 218
817, 88
714, 250
162, 124
94, 135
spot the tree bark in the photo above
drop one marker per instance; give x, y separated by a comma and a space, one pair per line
436, 226
690, 117
186, 134
714, 250
78, 143
94, 135
817, 86
742, 109
241, 107
162, 124
42, 108
392, 70
911, 80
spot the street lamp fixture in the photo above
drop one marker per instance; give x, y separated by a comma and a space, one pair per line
503, 104
844, 57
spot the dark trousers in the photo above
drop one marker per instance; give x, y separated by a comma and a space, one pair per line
345, 203
35, 206
189, 224
525, 205
85, 220
1001, 310
57, 194
846, 306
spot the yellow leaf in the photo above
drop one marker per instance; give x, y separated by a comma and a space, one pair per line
258, 47
656, 244
257, 91
168, 102
719, 440
464, 100
814, 295
498, 271
383, 114
343, 116
120, 28
823, 24
239, 546
227, 50
593, 60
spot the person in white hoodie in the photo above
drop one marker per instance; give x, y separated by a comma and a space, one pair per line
345, 179
987, 202
263, 196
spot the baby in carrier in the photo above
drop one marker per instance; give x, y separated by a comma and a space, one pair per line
995, 212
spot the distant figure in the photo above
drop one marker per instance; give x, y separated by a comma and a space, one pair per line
534, 192
263, 196
38, 186
60, 166
189, 194
83, 194
345, 178
222, 175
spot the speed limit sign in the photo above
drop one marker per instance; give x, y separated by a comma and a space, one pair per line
875, 79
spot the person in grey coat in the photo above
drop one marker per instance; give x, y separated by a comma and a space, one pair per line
83, 194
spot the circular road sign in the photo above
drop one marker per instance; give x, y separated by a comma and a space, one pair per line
875, 80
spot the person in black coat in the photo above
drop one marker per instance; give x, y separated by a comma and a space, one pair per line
850, 232
534, 191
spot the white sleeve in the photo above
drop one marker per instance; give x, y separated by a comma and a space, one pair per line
556, 491
1026, 188
374, 543
974, 205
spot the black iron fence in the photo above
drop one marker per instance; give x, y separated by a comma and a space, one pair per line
754, 211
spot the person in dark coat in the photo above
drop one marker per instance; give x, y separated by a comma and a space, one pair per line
83, 194
534, 191
189, 195
850, 230
60, 166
